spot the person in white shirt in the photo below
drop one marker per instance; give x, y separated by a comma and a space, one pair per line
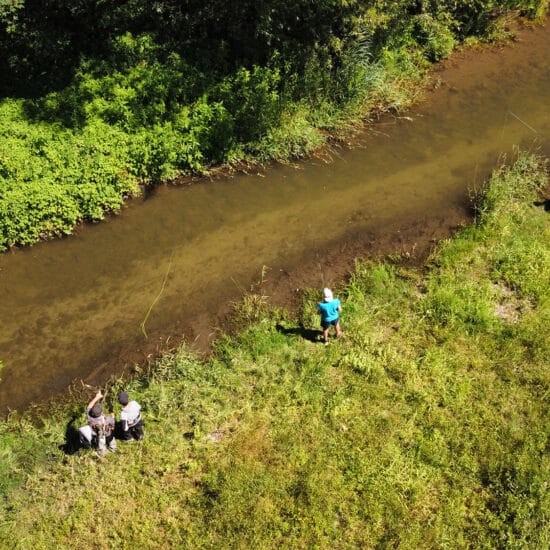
130, 418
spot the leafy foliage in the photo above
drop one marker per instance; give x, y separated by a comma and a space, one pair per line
99, 96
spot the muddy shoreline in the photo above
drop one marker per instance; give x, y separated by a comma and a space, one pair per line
410, 246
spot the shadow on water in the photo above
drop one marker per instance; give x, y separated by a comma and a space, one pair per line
306, 333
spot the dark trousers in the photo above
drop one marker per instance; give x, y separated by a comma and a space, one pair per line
133, 432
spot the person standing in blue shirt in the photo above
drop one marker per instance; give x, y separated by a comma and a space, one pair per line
330, 310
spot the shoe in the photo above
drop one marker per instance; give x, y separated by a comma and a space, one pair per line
326, 343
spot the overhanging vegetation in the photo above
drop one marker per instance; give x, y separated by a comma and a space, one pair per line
98, 96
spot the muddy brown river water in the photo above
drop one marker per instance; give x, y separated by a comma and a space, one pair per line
167, 268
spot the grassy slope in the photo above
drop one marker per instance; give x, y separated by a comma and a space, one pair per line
426, 426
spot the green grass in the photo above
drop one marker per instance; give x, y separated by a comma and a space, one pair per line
426, 426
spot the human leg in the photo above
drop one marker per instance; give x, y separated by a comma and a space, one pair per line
85, 436
101, 445
111, 443
325, 326
137, 430
126, 435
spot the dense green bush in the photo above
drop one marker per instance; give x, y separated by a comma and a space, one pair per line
51, 177
96, 98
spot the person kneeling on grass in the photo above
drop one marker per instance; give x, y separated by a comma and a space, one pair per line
99, 432
130, 418
330, 310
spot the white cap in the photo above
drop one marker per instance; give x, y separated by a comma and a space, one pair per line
327, 293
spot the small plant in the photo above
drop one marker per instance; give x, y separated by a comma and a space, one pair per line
436, 37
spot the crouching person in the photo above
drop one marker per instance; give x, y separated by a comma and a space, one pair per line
99, 432
130, 418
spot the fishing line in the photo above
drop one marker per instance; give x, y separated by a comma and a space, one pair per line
158, 296
322, 273
523, 122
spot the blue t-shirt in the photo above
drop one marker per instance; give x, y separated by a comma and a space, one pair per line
329, 310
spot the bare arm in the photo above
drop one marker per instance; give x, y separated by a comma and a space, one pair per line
97, 397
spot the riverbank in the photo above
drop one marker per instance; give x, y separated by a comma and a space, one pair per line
59, 164
427, 424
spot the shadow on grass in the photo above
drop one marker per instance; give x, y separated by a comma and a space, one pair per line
306, 333
544, 203
72, 439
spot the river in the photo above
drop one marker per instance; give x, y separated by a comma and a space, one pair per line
166, 269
